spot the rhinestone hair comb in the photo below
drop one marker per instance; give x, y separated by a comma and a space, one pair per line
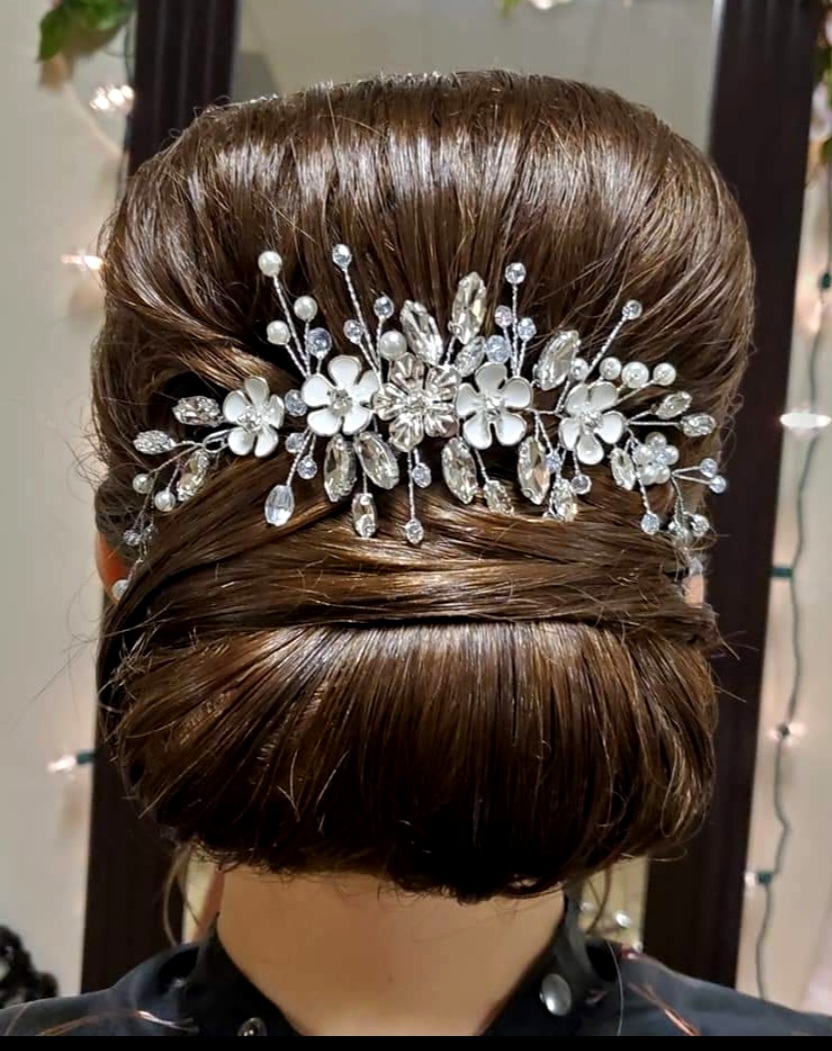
402, 388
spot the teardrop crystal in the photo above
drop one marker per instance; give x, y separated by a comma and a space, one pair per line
280, 505
563, 504
470, 358
468, 311
497, 498
340, 471
459, 470
198, 411
422, 332
378, 460
698, 425
364, 517
193, 476
673, 405
533, 472
623, 469
154, 442
556, 358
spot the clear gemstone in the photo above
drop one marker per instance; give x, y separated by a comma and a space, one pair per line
470, 358
562, 502
468, 310
378, 460
193, 476
635, 375
718, 484
392, 345
504, 316
497, 498
364, 517
119, 588
270, 263
280, 505
307, 468
414, 531
142, 483
709, 468
623, 469
295, 441
295, 405
422, 333
319, 342
698, 425
353, 330
610, 368
533, 471
579, 369
384, 308
553, 461
556, 358
515, 273
421, 475
339, 468
651, 523
341, 256
131, 537
278, 332
459, 470
305, 308
581, 484
164, 501
153, 442
526, 329
673, 405
699, 525
498, 349
198, 411
664, 374
632, 309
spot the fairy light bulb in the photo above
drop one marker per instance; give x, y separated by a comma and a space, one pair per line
113, 98
86, 262
805, 421
547, 5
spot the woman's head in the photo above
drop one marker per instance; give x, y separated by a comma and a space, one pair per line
517, 701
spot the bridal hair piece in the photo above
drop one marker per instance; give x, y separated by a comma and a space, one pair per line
366, 418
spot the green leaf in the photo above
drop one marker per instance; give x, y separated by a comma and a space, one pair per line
100, 16
54, 32
509, 5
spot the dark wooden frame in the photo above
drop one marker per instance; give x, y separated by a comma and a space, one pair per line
184, 61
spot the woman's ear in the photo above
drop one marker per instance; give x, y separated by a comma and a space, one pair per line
109, 565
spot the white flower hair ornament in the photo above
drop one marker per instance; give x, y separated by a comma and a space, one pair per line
403, 387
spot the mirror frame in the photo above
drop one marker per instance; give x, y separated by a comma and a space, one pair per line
760, 114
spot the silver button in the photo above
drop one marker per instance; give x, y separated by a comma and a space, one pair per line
253, 1027
556, 994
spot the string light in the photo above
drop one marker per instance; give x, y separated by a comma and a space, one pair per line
547, 5
810, 423
86, 262
113, 98
65, 764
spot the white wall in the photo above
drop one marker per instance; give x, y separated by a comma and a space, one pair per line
57, 183
800, 939
659, 52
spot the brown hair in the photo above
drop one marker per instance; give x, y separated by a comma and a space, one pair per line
516, 702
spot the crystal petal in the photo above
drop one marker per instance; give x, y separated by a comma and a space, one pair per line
470, 358
673, 405
552, 367
698, 425
422, 332
280, 505
340, 471
468, 310
378, 460
532, 471
153, 442
193, 475
623, 469
497, 498
459, 470
198, 411
414, 531
562, 502
364, 516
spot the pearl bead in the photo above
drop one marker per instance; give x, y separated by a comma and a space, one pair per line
305, 308
164, 501
278, 332
270, 263
392, 345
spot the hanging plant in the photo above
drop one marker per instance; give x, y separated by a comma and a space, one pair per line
70, 22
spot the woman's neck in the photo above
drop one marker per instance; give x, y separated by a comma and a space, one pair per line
350, 957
